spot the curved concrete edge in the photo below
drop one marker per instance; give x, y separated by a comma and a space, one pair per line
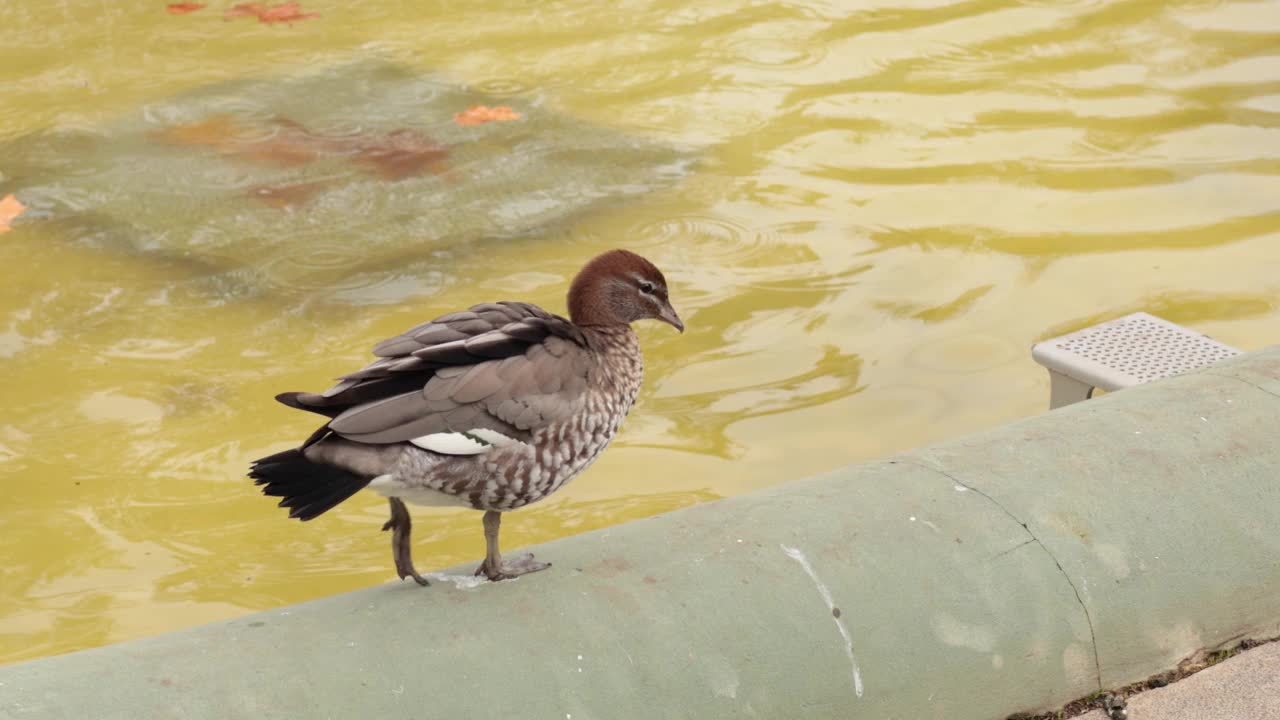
1243, 687
1014, 570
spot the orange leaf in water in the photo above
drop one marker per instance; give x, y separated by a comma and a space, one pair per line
282, 13
286, 13
10, 208
184, 7
479, 115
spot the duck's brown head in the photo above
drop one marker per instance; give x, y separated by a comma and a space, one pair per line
619, 287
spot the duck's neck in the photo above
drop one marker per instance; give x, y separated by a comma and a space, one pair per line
621, 365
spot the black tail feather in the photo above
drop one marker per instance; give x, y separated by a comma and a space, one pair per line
307, 488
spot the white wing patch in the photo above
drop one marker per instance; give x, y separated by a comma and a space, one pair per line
472, 442
450, 444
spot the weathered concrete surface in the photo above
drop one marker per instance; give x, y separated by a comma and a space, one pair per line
1245, 687
1014, 570
1161, 507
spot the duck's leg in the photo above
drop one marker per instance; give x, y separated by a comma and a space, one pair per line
493, 567
400, 526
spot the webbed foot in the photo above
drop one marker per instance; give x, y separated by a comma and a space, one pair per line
508, 569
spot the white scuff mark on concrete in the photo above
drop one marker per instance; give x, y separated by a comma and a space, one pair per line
721, 676
624, 651
798, 555
912, 518
961, 488
461, 582
1114, 558
931, 526
955, 632
1076, 662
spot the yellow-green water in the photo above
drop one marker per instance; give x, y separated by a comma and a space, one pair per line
893, 201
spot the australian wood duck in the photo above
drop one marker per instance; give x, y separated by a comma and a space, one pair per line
491, 408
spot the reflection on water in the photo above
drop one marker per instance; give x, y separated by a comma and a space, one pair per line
889, 205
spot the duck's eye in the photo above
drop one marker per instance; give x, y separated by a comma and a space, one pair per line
646, 288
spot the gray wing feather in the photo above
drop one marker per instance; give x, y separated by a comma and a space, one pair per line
379, 415
507, 367
476, 384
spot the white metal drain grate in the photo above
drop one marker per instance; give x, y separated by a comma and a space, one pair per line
1127, 351
1145, 347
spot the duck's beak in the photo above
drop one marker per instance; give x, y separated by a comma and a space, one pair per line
668, 315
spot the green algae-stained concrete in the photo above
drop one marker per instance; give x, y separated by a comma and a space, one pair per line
1012, 570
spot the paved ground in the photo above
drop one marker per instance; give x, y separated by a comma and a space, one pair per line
1245, 687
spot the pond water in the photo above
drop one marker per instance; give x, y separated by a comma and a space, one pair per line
868, 212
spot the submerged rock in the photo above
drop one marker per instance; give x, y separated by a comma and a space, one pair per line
325, 180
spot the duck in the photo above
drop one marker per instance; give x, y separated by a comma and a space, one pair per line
491, 408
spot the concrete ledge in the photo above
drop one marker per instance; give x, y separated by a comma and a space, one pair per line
1013, 570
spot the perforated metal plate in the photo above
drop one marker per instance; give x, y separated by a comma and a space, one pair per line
1128, 351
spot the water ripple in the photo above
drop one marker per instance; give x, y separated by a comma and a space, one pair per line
502, 87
